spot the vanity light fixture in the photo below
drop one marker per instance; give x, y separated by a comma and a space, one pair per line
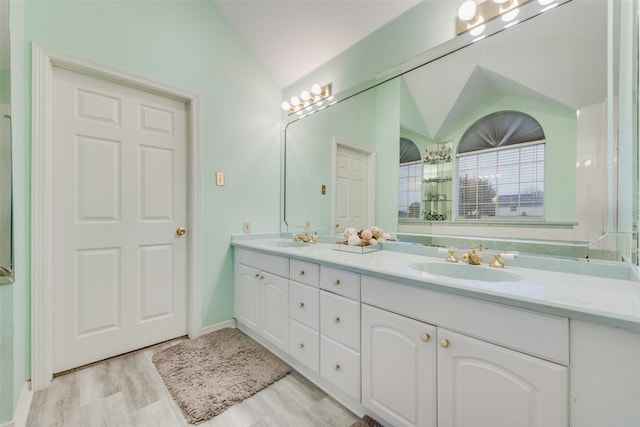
308, 99
473, 16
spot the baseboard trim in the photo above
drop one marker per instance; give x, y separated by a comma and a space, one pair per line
22, 411
228, 324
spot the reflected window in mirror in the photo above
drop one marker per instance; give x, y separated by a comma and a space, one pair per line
500, 168
409, 180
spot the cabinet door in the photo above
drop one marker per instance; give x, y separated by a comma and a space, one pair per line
275, 313
398, 368
485, 385
246, 306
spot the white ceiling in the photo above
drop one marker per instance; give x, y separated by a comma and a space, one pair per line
293, 37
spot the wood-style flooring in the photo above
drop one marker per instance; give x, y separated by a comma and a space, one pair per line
128, 391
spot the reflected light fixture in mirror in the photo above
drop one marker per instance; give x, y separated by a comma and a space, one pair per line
472, 15
308, 100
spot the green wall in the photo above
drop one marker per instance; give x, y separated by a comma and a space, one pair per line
186, 44
5, 87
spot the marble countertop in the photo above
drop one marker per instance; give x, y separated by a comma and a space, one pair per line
612, 301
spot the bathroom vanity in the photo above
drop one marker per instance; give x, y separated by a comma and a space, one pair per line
411, 340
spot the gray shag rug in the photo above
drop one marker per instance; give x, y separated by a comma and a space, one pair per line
366, 421
209, 374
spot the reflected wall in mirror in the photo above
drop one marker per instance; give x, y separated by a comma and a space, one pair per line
556, 68
6, 237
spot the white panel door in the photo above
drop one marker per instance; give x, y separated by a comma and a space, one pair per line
120, 194
351, 191
485, 385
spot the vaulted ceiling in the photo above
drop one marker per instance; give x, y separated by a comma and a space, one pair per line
293, 37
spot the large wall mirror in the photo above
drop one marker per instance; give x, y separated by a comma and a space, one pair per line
6, 236
561, 69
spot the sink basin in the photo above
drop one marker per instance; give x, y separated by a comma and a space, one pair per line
288, 244
466, 272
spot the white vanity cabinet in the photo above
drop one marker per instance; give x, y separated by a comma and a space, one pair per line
340, 329
486, 374
399, 368
412, 356
261, 295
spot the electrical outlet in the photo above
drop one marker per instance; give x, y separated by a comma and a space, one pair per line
246, 227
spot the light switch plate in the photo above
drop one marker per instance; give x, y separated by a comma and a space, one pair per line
219, 178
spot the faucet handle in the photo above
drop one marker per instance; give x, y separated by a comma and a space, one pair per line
496, 263
452, 256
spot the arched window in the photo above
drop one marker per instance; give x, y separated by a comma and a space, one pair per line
500, 168
409, 180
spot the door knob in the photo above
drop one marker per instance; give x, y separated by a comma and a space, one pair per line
181, 231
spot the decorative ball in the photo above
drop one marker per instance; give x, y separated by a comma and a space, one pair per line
386, 236
350, 231
353, 240
373, 241
366, 234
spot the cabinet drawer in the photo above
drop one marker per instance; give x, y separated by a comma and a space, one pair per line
304, 304
538, 334
304, 272
340, 366
340, 319
340, 282
264, 262
304, 345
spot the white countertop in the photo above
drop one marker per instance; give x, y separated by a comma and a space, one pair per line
610, 301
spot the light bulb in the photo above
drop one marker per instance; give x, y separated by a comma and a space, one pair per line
467, 10
305, 95
511, 15
286, 106
295, 101
501, 1
476, 31
316, 89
